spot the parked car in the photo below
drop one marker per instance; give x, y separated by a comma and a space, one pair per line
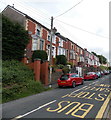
90, 76
106, 72
71, 79
98, 74
102, 73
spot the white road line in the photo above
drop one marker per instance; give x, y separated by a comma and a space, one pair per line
93, 83
21, 116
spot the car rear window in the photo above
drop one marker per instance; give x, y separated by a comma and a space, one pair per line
90, 73
75, 75
64, 77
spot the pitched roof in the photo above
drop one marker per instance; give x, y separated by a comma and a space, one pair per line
27, 16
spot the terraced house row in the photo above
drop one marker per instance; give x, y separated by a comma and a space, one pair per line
40, 40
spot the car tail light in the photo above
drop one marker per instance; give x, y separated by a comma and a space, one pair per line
58, 80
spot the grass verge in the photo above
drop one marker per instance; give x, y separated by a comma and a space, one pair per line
18, 81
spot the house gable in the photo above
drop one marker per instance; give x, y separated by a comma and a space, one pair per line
14, 15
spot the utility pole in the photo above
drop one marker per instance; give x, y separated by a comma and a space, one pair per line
50, 61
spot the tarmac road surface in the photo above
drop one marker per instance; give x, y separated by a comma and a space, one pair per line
89, 101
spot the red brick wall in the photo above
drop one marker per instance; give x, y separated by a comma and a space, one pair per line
29, 48
44, 73
73, 61
40, 71
64, 44
31, 26
44, 36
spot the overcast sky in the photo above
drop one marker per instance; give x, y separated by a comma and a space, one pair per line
87, 24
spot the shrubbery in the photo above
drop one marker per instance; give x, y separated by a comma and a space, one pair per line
60, 66
65, 70
15, 72
61, 59
18, 81
41, 54
14, 40
70, 63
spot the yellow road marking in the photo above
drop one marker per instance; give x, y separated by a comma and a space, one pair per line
103, 108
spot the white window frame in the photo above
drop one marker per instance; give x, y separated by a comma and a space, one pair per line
42, 46
38, 29
34, 43
49, 36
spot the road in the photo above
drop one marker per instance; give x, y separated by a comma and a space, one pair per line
84, 101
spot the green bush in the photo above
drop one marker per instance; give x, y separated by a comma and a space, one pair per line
70, 63
39, 54
15, 72
65, 70
18, 81
61, 59
60, 66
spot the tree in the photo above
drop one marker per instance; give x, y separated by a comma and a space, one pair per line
14, 40
94, 54
61, 59
41, 54
102, 59
109, 68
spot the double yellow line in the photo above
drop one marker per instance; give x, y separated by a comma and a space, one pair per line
103, 108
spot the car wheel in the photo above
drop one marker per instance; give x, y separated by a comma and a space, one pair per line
73, 84
94, 78
82, 82
60, 86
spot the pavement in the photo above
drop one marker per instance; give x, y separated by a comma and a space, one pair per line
108, 110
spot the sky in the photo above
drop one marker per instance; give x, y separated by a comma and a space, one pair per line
86, 24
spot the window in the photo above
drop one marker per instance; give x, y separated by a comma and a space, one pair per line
75, 76
72, 47
81, 52
54, 39
64, 77
81, 59
61, 42
41, 44
72, 55
59, 51
63, 51
34, 44
38, 30
52, 51
49, 38
77, 49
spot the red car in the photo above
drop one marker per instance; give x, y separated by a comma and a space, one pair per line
90, 76
72, 79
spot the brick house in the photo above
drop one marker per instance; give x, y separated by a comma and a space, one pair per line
40, 40
39, 34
